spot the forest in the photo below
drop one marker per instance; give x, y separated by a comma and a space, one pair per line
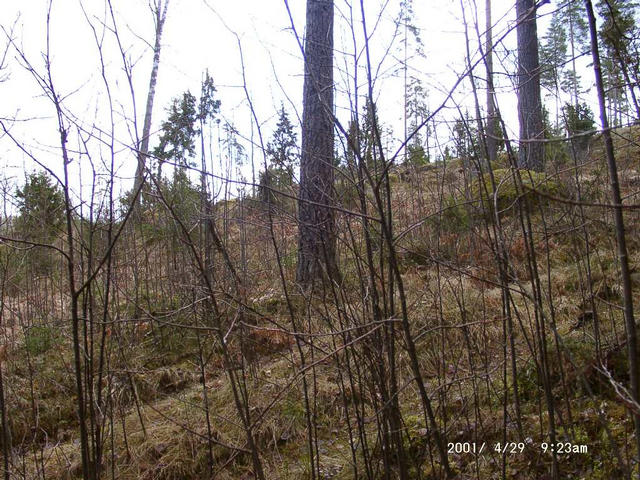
320, 239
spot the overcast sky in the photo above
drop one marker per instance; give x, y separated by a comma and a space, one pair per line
201, 35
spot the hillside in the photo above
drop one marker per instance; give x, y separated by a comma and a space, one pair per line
204, 362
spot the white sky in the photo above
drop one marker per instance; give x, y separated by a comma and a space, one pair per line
198, 36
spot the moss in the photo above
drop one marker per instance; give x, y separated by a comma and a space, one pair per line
506, 191
458, 212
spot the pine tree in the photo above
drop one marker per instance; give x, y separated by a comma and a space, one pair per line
531, 153
566, 40
493, 124
619, 36
41, 217
573, 16
415, 107
417, 113
553, 54
316, 236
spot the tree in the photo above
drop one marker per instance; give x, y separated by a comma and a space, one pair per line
573, 15
618, 34
41, 207
492, 121
564, 41
160, 13
316, 240
579, 123
178, 132
208, 108
578, 119
531, 153
553, 55
415, 107
615, 90
463, 139
282, 150
623, 255
283, 157
417, 113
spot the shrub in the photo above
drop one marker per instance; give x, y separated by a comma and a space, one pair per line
454, 216
38, 340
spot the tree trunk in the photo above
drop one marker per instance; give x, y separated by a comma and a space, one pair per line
492, 121
143, 149
316, 240
623, 257
531, 154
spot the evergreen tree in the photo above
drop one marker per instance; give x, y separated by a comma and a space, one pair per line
618, 29
41, 207
574, 16
41, 217
415, 107
177, 140
620, 62
208, 108
417, 113
282, 150
566, 40
553, 54
316, 233
531, 152
493, 124
578, 119
283, 157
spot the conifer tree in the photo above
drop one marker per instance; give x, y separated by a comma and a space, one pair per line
619, 36
177, 140
316, 236
492, 121
41, 207
283, 156
531, 153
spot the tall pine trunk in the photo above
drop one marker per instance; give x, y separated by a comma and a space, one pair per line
316, 239
492, 121
531, 154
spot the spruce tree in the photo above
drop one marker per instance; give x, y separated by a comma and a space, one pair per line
283, 157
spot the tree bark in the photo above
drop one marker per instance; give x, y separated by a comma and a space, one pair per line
531, 153
316, 239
